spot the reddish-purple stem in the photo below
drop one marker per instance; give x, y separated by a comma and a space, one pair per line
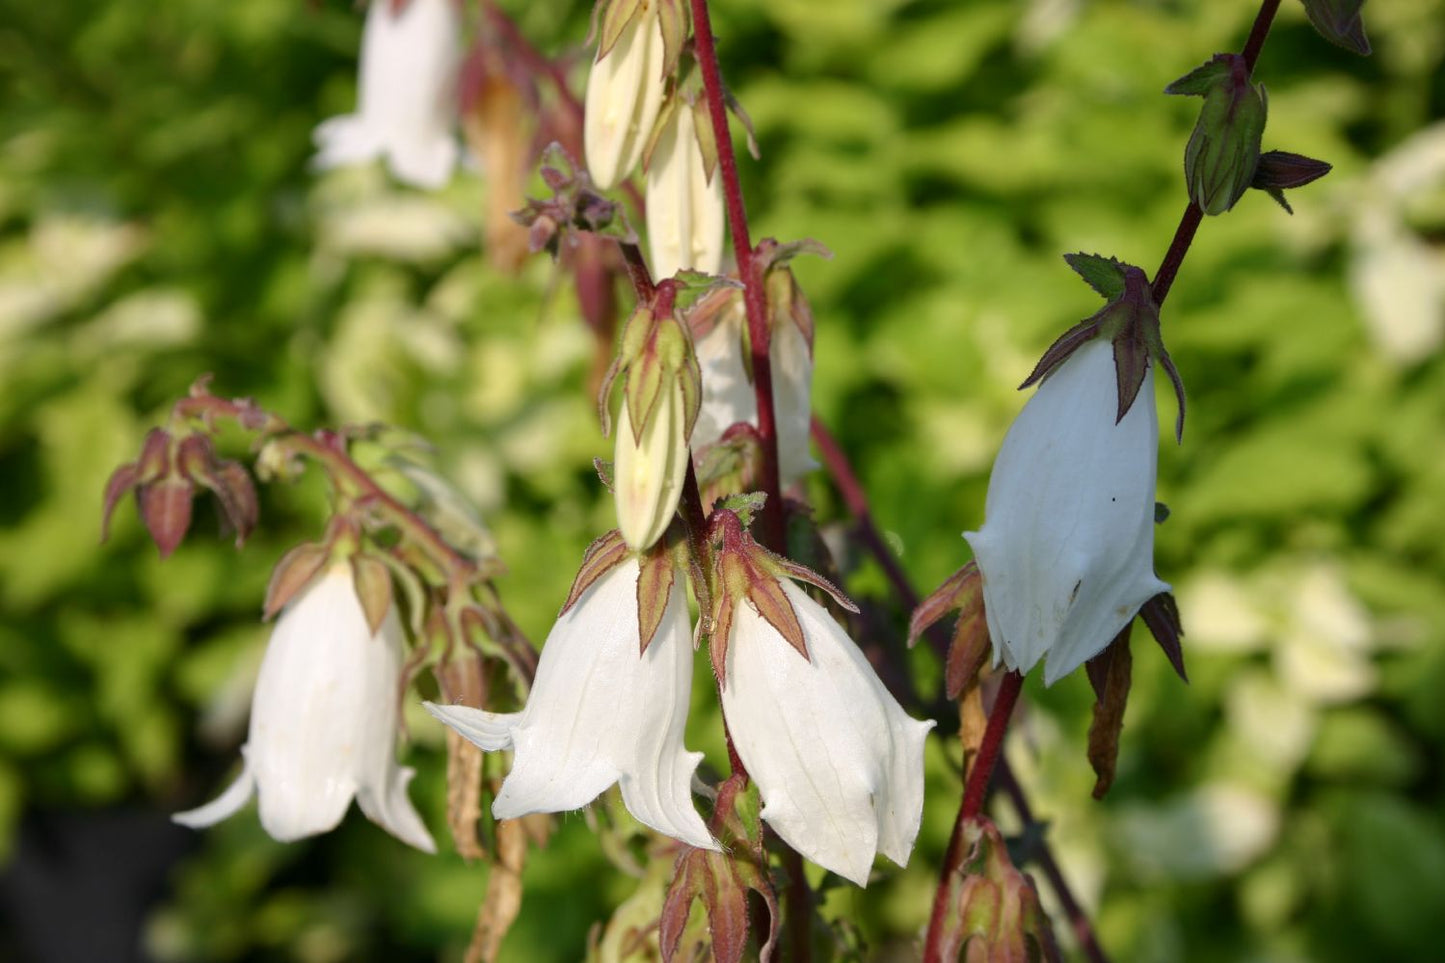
974, 794
754, 298
1193, 215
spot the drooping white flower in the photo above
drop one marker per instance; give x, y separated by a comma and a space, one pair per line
727, 391
624, 95
324, 723
838, 762
406, 104
599, 713
1067, 546
685, 215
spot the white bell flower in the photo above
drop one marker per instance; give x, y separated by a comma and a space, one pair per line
624, 95
685, 211
838, 762
324, 723
407, 101
728, 397
1066, 550
599, 713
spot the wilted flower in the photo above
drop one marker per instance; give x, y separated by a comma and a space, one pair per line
324, 722
406, 105
1067, 545
727, 389
685, 214
624, 95
601, 712
838, 762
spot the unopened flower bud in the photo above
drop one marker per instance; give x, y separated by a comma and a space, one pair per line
995, 914
648, 472
1223, 151
1339, 22
685, 214
624, 94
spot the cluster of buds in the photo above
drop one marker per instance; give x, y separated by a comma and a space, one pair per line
661, 395
993, 914
406, 109
171, 467
837, 761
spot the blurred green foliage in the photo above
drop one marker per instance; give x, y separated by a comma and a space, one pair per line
158, 220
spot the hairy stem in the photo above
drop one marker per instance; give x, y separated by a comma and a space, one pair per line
754, 297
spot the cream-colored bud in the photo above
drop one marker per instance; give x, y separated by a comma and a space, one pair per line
685, 213
624, 94
648, 472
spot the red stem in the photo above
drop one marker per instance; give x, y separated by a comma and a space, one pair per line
1193, 215
754, 298
973, 796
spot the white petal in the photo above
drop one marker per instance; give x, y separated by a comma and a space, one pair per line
487, 730
728, 397
225, 805
599, 714
389, 807
1067, 547
406, 104
837, 760
381, 789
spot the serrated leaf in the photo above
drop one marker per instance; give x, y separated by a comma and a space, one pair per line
1104, 274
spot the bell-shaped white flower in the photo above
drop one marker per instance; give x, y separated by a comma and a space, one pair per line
727, 391
599, 713
324, 722
1067, 546
624, 95
406, 104
648, 471
685, 211
838, 762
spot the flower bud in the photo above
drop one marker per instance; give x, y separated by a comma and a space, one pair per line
1338, 21
1223, 151
624, 95
649, 467
685, 214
